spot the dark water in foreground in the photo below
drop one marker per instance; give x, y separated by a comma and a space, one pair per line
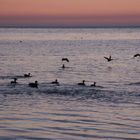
109, 111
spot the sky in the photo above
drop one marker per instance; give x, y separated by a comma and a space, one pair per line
59, 13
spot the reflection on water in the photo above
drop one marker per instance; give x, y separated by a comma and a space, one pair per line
109, 111
66, 117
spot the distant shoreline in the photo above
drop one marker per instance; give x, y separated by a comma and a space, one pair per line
70, 27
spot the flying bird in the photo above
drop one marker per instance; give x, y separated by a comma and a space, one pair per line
136, 55
65, 59
108, 58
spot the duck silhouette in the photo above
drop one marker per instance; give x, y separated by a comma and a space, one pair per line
27, 75
63, 66
15, 81
93, 85
33, 85
55, 82
82, 84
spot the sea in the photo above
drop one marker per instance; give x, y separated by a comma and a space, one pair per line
68, 111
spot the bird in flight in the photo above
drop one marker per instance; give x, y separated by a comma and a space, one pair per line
108, 58
136, 55
65, 59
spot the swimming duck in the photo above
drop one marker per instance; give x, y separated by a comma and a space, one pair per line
55, 82
82, 84
34, 85
63, 66
93, 85
15, 81
27, 75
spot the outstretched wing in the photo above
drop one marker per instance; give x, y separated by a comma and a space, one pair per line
136, 55
65, 59
106, 58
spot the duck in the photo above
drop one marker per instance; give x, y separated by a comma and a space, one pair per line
63, 66
93, 85
82, 84
65, 59
27, 75
108, 58
55, 82
33, 85
15, 81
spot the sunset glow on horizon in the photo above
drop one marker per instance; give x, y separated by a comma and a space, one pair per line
69, 12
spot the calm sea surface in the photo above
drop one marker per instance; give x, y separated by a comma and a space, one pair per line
109, 111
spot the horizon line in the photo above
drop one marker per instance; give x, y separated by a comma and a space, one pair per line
73, 26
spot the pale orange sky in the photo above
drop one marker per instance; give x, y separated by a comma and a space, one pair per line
69, 12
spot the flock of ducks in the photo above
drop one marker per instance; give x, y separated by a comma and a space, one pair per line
35, 84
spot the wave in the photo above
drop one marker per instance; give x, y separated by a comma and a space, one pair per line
135, 84
12, 77
80, 92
